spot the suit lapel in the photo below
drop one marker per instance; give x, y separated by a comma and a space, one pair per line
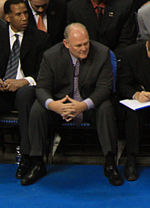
6, 42
109, 14
27, 43
84, 71
89, 12
51, 12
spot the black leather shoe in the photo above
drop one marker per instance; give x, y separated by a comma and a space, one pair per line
23, 168
111, 171
130, 172
36, 172
113, 175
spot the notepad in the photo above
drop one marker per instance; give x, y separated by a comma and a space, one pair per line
134, 104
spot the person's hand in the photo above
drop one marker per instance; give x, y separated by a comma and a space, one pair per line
1, 85
142, 96
58, 106
14, 84
73, 108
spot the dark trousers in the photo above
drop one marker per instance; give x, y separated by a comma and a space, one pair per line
22, 101
42, 124
132, 123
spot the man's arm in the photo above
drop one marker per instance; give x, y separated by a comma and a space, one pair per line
104, 82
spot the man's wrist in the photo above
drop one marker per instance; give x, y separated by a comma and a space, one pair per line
84, 106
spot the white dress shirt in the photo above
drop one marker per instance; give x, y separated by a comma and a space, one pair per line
36, 16
20, 74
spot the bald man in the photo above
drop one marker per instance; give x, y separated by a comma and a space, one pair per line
57, 101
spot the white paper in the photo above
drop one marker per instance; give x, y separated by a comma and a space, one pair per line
134, 104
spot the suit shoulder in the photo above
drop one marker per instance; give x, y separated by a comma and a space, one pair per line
37, 33
135, 47
133, 52
55, 50
98, 45
3, 24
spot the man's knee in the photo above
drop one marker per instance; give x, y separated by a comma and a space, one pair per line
25, 94
37, 111
106, 107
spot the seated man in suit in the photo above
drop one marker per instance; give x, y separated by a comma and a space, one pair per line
21, 52
111, 23
134, 83
61, 96
49, 16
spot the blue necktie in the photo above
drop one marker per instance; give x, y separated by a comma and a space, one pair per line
13, 61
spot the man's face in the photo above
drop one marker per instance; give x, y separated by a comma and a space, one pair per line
18, 18
39, 6
78, 43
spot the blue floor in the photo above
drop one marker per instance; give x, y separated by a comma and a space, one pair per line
73, 186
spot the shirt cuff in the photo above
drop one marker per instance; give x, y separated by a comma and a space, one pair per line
47, 102
31, 81
89, 103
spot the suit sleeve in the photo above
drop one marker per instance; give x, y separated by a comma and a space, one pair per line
126, 82
103, 88
44, 82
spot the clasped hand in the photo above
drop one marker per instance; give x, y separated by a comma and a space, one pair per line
68, 110
12, 84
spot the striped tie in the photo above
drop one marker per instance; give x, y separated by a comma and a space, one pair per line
13, 61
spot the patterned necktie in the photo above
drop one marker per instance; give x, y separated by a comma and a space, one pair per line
40, 24
13, 61
76, 94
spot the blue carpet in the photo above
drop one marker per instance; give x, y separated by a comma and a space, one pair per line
73, 186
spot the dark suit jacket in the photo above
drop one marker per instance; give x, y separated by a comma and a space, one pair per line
2, 23
56, 74
134, 72
56, 19
33, 45
117, 28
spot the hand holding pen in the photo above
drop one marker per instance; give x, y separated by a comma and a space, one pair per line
142, 96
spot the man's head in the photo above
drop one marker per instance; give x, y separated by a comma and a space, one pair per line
76, 39
39, 6
16, 14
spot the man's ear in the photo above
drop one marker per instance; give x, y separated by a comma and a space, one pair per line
6, 17
65, 43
